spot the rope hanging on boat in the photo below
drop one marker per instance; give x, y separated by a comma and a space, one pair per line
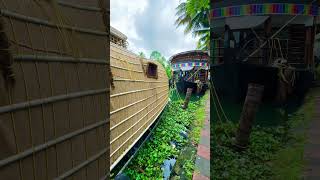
180, 99
281, 63
216, 108
217, 97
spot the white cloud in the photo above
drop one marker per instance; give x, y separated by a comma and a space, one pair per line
122, 14
149, 25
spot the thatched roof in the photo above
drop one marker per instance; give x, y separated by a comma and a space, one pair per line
117, 33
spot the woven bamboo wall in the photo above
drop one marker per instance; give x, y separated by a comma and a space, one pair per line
54, 90
136, 100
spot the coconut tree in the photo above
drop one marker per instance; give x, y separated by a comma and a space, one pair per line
193, 15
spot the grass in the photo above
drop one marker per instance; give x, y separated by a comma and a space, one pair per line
289, 161
200, 116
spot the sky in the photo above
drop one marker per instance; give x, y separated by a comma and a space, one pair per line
149, 25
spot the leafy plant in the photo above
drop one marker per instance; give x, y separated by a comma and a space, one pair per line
148, 161
253, 163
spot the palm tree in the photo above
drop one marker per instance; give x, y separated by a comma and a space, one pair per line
193, 14
204, 41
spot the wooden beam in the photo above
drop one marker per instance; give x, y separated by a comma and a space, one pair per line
250, 107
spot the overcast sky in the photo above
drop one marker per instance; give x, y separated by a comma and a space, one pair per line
149, 25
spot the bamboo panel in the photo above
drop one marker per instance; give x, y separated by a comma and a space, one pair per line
136, 100
54, 90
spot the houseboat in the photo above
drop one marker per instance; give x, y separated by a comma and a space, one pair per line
190, 69
264, 42
139, 93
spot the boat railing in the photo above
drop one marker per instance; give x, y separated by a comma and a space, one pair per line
289, 49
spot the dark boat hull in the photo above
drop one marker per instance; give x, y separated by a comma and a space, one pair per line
183, 85
231, 81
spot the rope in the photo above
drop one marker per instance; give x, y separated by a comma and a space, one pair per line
280, 48
280, 63
215, 105
217, 97
180, 99
194, 74
216, 108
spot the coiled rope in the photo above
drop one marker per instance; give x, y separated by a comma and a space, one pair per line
281, 62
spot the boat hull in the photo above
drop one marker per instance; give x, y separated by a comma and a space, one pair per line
183, 85
231, 81
136, 98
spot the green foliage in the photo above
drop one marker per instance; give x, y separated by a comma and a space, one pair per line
193, 6
198, 123
193, 14
254, 162
189, 167
273, 153
156, 55
147, 163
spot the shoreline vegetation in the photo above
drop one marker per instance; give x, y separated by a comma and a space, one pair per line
274, 152
176, 137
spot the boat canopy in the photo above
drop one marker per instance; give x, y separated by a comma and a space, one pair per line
248, 22
187, 66
248, 16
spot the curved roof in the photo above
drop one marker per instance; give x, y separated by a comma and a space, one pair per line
117, 33
192, 52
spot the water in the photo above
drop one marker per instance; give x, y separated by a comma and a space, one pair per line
167, 167
267, 115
